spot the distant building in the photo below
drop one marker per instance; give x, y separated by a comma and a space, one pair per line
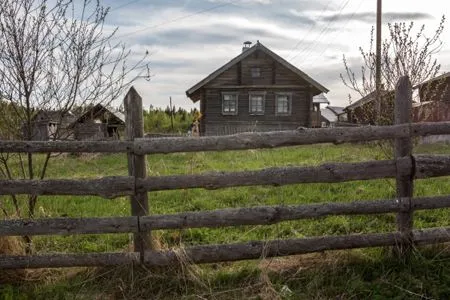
97, 123
256, 91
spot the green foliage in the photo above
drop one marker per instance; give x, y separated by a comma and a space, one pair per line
368, 273
157, 120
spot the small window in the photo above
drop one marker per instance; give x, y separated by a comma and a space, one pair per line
283, 104
52, 129
229, 103
256, 72
256, 103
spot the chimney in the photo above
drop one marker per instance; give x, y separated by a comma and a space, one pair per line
246, 46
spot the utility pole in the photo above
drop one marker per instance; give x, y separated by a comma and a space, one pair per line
378, 60
171, 111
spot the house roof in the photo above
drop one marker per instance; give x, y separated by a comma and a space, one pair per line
442, 76
320, 99
366, 99
328, 114
246, 53
54, 116
99, 108
338, 110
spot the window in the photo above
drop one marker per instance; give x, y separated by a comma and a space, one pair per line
256, 103
256, 72
229, 104
52, 129
283, 104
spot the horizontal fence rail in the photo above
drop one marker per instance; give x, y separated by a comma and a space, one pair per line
241, 141
424, 166
227, 252
261, 215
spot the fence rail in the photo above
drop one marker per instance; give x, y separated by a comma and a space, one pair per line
260, 215
241, 141
405, 168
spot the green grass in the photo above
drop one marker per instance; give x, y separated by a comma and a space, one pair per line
358, 274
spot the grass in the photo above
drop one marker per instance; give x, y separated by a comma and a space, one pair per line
348, 274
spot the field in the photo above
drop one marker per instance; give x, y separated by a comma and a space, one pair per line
357, 274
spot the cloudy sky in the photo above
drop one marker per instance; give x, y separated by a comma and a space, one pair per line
190, 39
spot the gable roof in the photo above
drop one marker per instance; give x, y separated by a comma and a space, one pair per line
366, 99
97, 110
328, 114
320, 99
442, 76
246, 53
338, 110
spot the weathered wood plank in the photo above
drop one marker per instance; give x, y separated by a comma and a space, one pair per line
261, 215
68, 260
66, 226
233, 142
137, 164
274, 176
287, 138
66, 146
108, 187
227, 252
403, 149
263, 249
431, 166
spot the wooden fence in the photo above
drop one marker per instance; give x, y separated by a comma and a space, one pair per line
405, 167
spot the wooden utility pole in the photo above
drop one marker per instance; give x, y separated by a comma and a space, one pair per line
171, 112
378, 60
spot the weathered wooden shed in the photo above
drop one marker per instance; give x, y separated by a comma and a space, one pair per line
98, 123
256, 91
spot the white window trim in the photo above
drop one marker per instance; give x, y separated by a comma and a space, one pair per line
289, 104
250, 94
237, 103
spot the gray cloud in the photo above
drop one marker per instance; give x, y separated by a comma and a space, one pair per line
370, 17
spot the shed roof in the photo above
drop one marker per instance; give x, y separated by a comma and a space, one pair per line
246, 53
442, 76
329, 115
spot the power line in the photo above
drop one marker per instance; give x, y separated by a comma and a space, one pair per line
308, 48
309, 30
175, 19
341, 31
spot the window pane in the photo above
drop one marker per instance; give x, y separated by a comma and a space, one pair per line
256, 104
256, 72
229, 103
282, 104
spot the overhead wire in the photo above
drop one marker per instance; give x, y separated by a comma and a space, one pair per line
176, 19
309, 30
310, 47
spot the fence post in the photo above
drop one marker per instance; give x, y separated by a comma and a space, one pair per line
137, 164
403, 148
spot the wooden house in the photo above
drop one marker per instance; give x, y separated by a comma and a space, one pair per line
256, 91
51, 125
435, 89
364, 111
98, 123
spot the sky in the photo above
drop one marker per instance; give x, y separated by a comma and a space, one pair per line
188, 40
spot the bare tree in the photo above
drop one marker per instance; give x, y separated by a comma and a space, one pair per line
55, 55
405, 52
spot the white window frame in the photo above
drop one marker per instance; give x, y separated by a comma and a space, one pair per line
230, 113
256, 113
289, 96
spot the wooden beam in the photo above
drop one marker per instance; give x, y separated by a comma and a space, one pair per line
278, 176
260, 215
137, 164
108, 187
232, 142
226, 252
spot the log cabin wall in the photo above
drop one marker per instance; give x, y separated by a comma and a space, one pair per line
273, 78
